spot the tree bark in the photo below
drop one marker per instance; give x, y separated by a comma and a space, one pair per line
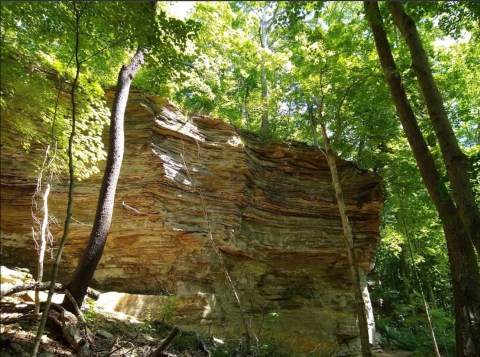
220, 258
352, 259
92, 254
455, 160
264, 44
159, 351
71, 173
39, 286
463, 264
43, 245
420, 287
265, 25
313, 125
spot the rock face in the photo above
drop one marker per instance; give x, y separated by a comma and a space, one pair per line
193, 185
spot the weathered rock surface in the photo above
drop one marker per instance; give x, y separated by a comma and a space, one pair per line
270, 208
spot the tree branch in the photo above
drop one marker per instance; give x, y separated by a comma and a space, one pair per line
93, 294
159, 351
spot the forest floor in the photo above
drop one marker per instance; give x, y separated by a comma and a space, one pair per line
387, 353
106, 333
112, 336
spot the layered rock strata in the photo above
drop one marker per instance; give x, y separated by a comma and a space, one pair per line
193, 184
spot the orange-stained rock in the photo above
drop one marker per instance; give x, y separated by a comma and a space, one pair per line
271, 210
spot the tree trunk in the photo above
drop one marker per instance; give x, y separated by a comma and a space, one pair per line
455, 160
463, 264
313, 125
159, 350
245, 106
92, 254
71, 173
420, 287
352, 259
265, 24
404, 271
220, 257
43, 246
263, 41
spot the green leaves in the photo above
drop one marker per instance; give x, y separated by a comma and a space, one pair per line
37, 52
320, 57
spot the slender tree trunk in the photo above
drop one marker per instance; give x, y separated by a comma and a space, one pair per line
405, 278
420, 287
352, 259
430, 323
219, 254
92, 254
429, 318
58, 259
455, 160
463, 264
311, 117
263, 41
245, 106
45, 231
43, 246
265, 25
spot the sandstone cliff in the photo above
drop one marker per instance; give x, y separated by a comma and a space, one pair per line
271, 210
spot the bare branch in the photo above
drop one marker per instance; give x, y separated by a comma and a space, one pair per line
37, 286
159, 351
133, 209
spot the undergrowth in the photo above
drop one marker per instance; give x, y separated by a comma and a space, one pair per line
411, 334
186, 343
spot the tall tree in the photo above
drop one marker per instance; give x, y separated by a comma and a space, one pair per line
103, 217
157, 36
267, 20
464, 269
349, 246
237, 72
78, 13
456, 162
222, 78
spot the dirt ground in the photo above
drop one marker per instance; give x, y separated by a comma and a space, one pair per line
107, 335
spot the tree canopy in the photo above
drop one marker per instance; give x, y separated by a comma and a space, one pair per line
293, 65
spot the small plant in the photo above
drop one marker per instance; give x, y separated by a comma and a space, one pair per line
238, 348
411, 333
273, 317
89, 312
166, 312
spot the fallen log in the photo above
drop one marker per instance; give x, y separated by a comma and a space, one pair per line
11, 318
159, 351
93, 294
67, 322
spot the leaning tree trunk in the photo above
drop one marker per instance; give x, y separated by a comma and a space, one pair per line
463, 264
92, 254
455, 160
348, 239
416, 274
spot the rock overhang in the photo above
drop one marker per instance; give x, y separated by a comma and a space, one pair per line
270, 208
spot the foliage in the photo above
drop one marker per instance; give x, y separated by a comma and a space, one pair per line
263, 349
38, 67
320, 59
37, 52
42, 119
411, 333
191, 343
